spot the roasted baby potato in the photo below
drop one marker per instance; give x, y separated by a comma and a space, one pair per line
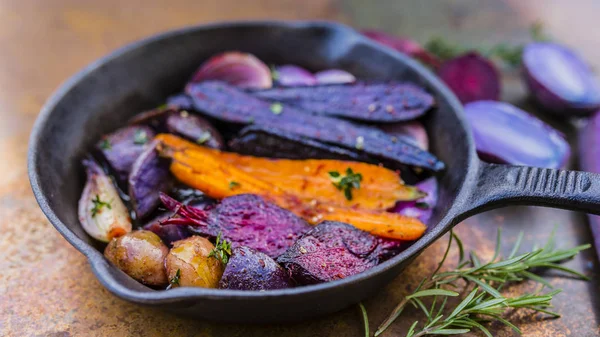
189, 264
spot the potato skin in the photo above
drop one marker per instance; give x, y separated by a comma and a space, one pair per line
140, 254
190, 257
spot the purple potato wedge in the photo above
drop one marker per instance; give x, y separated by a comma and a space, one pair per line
122, 147
244, 220
155, 118
181, 101
168, 233
589, 160
559, 80
194, 128
414, 131
331, 251
149, 176
504, 133
371, 102
249, 269
226, 103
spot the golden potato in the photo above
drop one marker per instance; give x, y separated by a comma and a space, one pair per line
188, 264
140, 254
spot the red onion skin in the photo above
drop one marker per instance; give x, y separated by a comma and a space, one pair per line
559, 80
425, 210
471, 77
589, 160
240, 69
504, 133
334, 76
291, 75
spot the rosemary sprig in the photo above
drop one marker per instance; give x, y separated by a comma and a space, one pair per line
485, 300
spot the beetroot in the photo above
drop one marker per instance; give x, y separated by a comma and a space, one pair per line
404, 45
471, 77
122, 147
249, 269
559, 80
244, 220
334, 250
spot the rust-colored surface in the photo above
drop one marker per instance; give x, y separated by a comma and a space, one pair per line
46, 287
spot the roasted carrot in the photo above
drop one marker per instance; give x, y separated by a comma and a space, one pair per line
380, 188
219, 179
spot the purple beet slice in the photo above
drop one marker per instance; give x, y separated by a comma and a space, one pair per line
149, 176
560, 80
371, 102
122, 147
249, 269
471, 77
226, 103
244, 220
333, 250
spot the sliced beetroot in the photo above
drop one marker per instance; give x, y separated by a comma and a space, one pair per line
504, 133
404, 45
229, 104
422, 208
249, 269
194, 128
244, 220
560, 80
240, 69
373, 102
292, 75
331, 251
149, 176
414, 131
122, 147
471, 77
334, 76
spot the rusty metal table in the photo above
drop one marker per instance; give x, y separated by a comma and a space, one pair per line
46, 286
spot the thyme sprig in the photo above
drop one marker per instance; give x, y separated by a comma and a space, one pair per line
485, 301
98, 205
346, 183
222, 250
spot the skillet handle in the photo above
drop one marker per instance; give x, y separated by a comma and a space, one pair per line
504, 185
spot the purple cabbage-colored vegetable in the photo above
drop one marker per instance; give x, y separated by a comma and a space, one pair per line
291, 75
560, 80
422, 208
240, 69
149, 176
181, 101
372, 102
589, 159
122, 147
334, 76
414, 131
168, 233
249, 269
194, 128
244, 220
404, 45
471, 77
330, 251
504, 133
227, 103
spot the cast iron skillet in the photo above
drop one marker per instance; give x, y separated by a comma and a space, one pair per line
139, 76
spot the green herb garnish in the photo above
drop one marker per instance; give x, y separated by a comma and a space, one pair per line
484, 302
222, 250
346, 183
274, 73
98, 204
105, 145
233, 185
140, 137
276, 108
204, 137
360, 143
174, 282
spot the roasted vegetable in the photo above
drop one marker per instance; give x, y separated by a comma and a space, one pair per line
331, 251
560, 80
168, 233
122, 147
243, 220
149, 176
291, 75
410, 130
505, 134
373, 102
181, 101
189, 264
249, 269
101, 212
240, 69
215, 176
227, 103
422, 208
589, 159
471, 77
334, 76
311, 179
404, 45
141, 255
